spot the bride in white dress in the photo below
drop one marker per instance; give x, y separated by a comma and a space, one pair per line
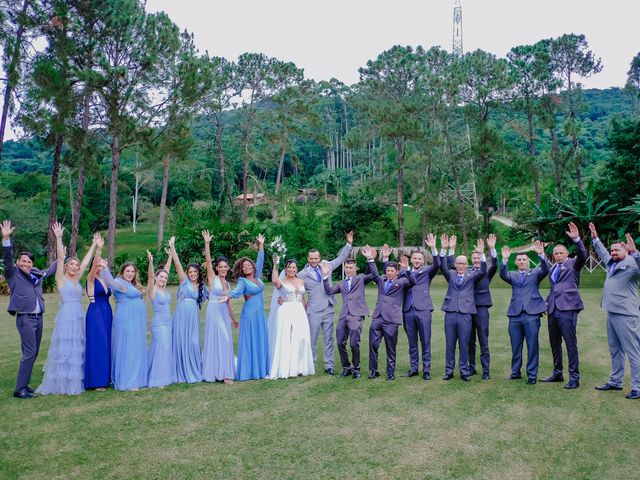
291, 339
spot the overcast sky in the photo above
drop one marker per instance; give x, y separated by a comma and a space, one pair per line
333, 38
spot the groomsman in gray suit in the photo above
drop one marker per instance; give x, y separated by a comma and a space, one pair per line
563, 305
26, 303
620, 300
458, 307
525, 309
354, 308
319, 304
387, 315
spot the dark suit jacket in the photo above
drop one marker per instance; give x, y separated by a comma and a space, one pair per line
354, 302
481, 292
389, 305
525, 297
462, 298
23, 292
421, 291
564, 294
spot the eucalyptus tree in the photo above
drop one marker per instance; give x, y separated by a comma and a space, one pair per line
571, 58
633, 82
133, 55
391, 92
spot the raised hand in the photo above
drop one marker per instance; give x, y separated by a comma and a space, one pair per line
325, 267
506, 251
573, 233
57, 229
386, 251
7, 229
631, 245
404, 262
102, 262
538, 247
260, 240
99, 240
491, 241
453, 241
430, 241
172, 242
206, 236
149, 256
276, 260
371, 253
480, 246
350, 237
167, 251
594, 232
444, 241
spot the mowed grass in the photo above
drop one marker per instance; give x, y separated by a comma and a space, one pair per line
330, 427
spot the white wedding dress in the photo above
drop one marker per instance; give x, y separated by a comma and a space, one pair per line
292, 341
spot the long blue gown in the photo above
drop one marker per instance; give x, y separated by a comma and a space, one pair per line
97, 359
161, 365
187, 355
253, 340
217, 357
63, 370
129, 335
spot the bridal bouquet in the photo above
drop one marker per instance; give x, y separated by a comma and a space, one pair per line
277, 247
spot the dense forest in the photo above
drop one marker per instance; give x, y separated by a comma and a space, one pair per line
125, 122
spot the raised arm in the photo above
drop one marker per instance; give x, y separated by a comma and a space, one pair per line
206, 236
343, 254
543, 269
176, 260
600, 249
151, 280
504, 272
275, 275
7, 249
492, 259
115, 283
57, 232
326, 272
89, 255
260, 259
633, 250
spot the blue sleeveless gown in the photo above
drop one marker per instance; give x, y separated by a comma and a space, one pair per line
187, 355
97, 360
161, 365
217, 357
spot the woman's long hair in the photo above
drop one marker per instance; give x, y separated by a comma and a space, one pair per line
135, 282
229, 275
237, 268
200, 282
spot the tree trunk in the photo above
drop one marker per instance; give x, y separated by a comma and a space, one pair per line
533, 154
53, 202
224, 194
77, 207
245, 178
163, 197
113, 197
456, 181
400, 146
283, 151
12, 74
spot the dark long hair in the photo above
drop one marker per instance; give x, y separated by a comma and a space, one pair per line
237, 268
229, 276
200, 282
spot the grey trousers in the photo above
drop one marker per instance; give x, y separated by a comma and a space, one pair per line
322, 321
30, 330
623, 335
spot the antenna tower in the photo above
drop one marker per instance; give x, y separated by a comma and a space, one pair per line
457, 29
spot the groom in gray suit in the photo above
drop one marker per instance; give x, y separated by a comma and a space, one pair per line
319, 304
620, 300
26, 303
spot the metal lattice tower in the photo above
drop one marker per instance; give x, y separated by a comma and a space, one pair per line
457, 29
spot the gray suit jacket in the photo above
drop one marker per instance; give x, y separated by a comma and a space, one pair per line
620, 291
354, 302
318, 300
389, 304
482, 293
23, 292
564, 294
526, 297
462, 298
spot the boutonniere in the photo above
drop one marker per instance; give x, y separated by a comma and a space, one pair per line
624, 267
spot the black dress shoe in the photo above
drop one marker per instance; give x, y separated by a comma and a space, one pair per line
633, 395
411, 373
531, 381
329, 371
607, 386
514, 377
356, 374
571, 384
426, 376
391, 377
553, 378
465, 378
23, 394
345, 372
30, 390
373, 375
447, 376
473, 372
486, 376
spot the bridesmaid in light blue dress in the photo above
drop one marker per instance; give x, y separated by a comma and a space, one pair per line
64, 368
161, 365
253, 340
187, 354
129, 333
217, 356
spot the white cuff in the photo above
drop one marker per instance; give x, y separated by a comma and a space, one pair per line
6, 243
494, 253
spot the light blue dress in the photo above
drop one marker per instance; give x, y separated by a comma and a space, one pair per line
217, 357
64, 369
161, 364
253, 340
187, 355
129, 335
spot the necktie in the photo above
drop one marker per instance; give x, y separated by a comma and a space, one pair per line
349, 284
387, 286
318, 276
555, 273
459, 280
522, 278
612, 267
409, 301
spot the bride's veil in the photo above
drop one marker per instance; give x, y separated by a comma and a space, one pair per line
273, 314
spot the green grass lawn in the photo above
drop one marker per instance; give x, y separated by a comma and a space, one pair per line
329, 427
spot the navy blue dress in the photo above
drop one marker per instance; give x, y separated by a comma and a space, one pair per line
97, 363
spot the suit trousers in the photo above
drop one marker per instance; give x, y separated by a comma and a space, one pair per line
457, 328
524, 327
322, 321
480, 329
380, 329
623, 335
562, 325
349, 329
417, 325
30, 329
